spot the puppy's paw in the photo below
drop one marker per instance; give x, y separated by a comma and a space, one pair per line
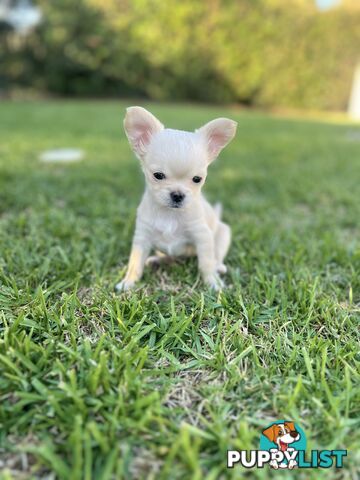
221, 268
153, 261
124, 286
214, 282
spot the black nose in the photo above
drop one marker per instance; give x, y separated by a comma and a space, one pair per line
177, 197
294, 434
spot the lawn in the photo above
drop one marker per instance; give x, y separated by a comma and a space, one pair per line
159, 383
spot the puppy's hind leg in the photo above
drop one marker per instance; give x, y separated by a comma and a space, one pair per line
156, 259
222, 244
160, 257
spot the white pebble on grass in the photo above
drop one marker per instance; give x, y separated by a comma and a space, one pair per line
62, 155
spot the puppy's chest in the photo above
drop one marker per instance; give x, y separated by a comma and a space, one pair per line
170, 236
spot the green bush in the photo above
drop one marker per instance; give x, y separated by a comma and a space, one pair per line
256, 52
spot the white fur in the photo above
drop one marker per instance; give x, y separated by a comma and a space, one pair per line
193, 223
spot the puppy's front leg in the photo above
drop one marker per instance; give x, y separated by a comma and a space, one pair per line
135, 268
140, 249
205, 248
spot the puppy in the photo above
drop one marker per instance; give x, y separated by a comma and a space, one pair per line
173, 217
283, 435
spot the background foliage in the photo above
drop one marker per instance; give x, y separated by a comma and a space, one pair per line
256, 52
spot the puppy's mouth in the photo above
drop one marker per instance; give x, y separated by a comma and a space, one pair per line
176, 205
283, 446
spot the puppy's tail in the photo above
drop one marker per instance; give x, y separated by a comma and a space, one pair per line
218, 209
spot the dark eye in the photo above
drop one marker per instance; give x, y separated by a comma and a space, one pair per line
196, 179
159, 175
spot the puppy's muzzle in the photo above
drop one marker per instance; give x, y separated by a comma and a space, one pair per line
177, 198
294, 434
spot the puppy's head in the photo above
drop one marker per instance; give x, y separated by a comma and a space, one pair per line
282, 434
175, 162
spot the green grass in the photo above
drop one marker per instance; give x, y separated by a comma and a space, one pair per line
161, 382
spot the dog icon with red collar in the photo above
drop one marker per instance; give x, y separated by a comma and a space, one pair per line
282, 435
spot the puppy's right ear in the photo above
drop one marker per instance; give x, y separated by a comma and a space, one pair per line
140, 126
270, 433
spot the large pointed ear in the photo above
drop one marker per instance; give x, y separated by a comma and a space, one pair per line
217, 134
140, 125
270, 433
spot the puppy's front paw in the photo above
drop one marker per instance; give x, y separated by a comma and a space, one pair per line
214, 282
124, 286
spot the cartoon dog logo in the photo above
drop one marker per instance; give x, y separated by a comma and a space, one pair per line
282, 435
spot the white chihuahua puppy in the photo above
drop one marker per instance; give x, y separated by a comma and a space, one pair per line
173, 217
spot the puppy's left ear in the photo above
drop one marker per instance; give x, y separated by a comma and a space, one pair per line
217, 134
290, 425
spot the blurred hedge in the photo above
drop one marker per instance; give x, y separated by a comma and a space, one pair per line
257, 52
